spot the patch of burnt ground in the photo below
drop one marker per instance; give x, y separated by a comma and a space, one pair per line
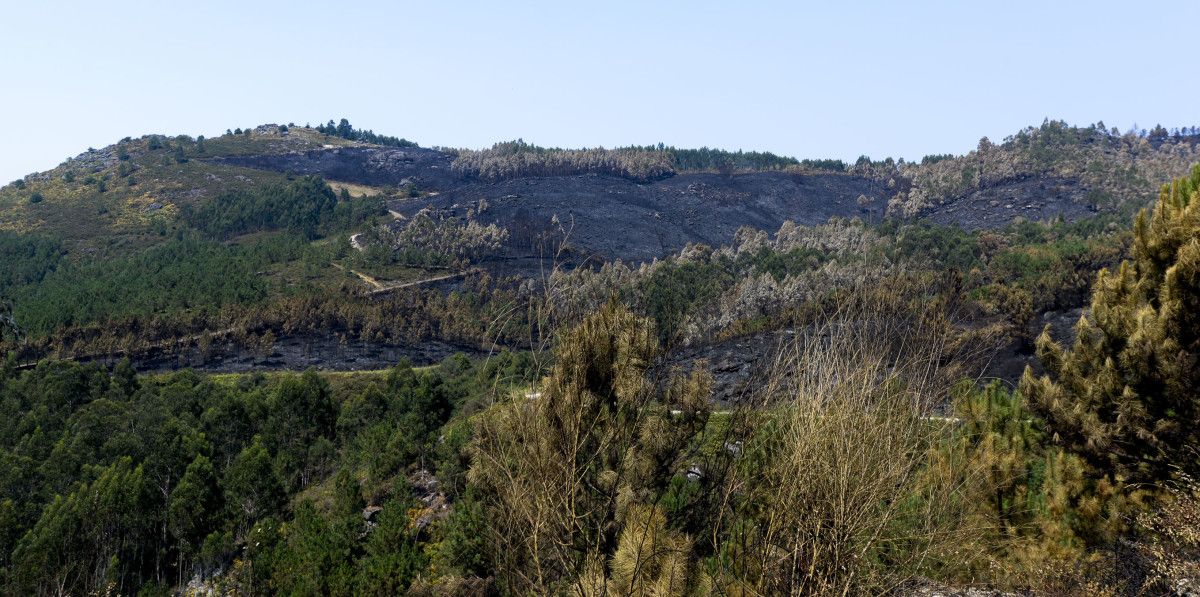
617, 218
1037, 199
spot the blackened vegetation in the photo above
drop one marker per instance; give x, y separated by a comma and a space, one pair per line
616, 218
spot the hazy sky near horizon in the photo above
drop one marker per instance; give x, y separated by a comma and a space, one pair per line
900, 79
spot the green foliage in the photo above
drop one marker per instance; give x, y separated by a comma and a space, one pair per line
673, 290
393, 556
463, 548
1125, 395
1039, 510
719, 159
306, 206
300, 414
950, 247
585, 459
514, 159
253, 490
27, 259
90, 538
108, 479
179, 274
195, 506
344, 130
781, 265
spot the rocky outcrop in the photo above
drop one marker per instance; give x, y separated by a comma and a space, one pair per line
429, 169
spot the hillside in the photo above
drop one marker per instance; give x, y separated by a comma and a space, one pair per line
281, 246
123, 195
673, 371
119, 198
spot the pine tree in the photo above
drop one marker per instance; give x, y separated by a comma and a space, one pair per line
1126, 396
571, 462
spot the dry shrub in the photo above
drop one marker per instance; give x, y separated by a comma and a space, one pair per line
838, 492
567, 475
1172, 546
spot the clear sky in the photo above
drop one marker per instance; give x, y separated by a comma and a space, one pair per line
899, 79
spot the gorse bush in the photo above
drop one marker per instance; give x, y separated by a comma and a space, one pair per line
579, 466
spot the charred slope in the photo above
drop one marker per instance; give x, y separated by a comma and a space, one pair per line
1034, 198
613, 217
616, 217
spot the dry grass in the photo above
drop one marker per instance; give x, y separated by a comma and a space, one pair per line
355, 190
839, 492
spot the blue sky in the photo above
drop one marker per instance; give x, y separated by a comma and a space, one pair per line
900, 79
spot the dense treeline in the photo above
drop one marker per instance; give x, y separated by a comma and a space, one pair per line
180, 275
708, 159
758, 283
114, 483
27, 259
189, 273
345, 130
479, 315
516, 159
305, 206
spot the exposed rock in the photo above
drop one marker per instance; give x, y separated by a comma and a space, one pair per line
425, 489
375, 166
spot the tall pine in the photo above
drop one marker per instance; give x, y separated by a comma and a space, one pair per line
1126, 396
